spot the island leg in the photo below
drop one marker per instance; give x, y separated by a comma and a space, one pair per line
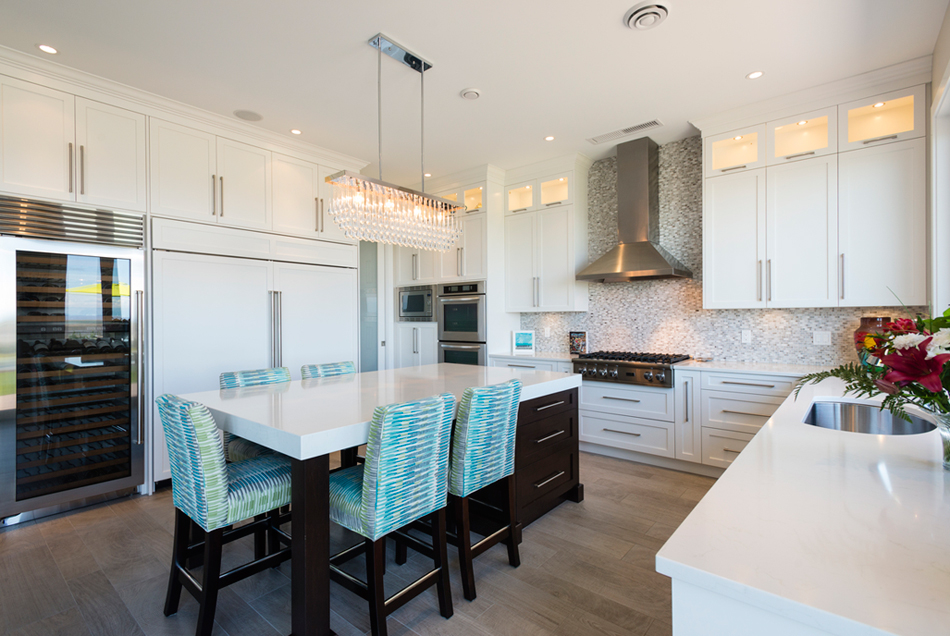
310, 547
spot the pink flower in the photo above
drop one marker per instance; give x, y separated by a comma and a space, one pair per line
902, 326
911, 365
887, 387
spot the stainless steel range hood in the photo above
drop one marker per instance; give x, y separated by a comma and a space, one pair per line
638, 256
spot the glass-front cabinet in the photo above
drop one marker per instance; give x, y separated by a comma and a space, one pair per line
803, 136
520, 197
735, 151
884, 118
473, 199
556, 190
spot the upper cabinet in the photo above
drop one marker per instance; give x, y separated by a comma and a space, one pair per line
539, 193
244, 184
735, 151
802, 137
297, 205
57, 146
182, 172
884, 118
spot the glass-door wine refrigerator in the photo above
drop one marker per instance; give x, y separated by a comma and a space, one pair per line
71, 385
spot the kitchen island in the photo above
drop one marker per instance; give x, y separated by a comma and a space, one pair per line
814, 531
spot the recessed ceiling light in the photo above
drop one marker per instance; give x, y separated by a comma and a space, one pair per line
470, 93
427, 175
738, 138
549, 138
295, 131
754, 75
248, 115
803, 122
46, 48
878, 105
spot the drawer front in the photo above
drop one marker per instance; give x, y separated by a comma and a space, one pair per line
541, 438
547, 406
737, 412
548, 477
649, 402
527, 363
776, 385
720, 448
645, 436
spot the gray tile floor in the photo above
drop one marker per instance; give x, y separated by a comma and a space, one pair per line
586, 569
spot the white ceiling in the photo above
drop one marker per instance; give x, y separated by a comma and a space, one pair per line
567, 68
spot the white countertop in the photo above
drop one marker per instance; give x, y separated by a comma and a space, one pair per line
541, 355
309, 418
845, 532
764, 368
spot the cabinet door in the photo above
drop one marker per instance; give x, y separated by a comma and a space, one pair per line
735, 151
211, 314
319, 315
687, 425
405, 265
803, 136
112, 156
428, 343
555, 260
427, 266
37, 134
521, 197
520, 249
883, 119
450, 261
406, 336
882, 221
734, 241
802, 234
328, 228
474, 246
244, 185
296, 196
182, 172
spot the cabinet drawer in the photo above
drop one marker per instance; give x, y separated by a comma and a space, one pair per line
720, 448
737, 412
649, 402
540, 438
528, 364
547, 406
548, 477
646, 436
777, 385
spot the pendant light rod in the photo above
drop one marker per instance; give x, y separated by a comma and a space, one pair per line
379, 106
422, 126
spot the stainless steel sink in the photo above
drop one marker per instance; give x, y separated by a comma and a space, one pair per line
863, 418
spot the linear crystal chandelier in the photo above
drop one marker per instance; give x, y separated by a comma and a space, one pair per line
373, 210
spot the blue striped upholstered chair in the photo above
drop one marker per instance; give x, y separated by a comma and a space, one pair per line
308, 371
236, 448
214, 494
403, 480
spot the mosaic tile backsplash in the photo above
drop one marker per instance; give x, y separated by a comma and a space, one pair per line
667, 316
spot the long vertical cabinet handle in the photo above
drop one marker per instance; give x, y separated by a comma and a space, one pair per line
323, 219
221, 181
758, 282
768, 280
458, 260
70, 167
414, 275
685, 401
842, 277
273, 328
82, 169
415, 340
316, 214
140, 366
214, 195
462, 259
280, 329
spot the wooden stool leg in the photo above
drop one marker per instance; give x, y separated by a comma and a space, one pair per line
260, 540
348, 457
463, 530
179, 556
210, 582
514, 556
375, 557
441, 562
402, 552
273, 542
195, 535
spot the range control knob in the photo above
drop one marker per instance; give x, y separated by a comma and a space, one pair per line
603, 372
648, 376
615, 372
582, 370
660, 376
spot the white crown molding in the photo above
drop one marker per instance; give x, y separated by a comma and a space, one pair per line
549, 166
895, 77
53, 75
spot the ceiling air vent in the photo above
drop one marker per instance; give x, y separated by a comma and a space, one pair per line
632, 130
645, 15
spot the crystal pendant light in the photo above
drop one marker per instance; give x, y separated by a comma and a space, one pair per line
373, 210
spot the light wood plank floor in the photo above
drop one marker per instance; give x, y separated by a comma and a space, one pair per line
586, 569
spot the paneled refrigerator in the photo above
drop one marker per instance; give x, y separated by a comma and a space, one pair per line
71, 325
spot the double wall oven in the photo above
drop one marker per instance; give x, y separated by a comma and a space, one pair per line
462, 319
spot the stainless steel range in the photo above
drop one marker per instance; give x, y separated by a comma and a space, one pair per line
650, 369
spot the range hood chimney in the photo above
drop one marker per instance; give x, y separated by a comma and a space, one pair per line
638, 256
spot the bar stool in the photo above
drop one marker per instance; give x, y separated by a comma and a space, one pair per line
403, 480
308, 371
483, 452
214, 494
236, 448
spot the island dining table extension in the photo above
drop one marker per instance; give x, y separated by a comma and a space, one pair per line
307, 420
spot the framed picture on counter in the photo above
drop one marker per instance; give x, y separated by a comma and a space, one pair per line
522, 343
578, 341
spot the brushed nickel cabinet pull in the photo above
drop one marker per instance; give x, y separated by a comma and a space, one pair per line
221, 181
70, 167
522, 366
801, 154
316, 214
548, 480
767, 386
758, 281
871, 141
548, 406
458, 260
743, 413
768, 279
555, 203
733, 168
615, 397
140, 361
729, 450
323, 217
414, 259
842, 276
686, 400
518, 210
613, 430
82, 169
551, 436
214, 195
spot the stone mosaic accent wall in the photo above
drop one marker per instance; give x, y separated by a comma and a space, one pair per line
668, 315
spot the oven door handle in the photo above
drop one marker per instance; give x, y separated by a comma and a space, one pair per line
452, 299
452, 346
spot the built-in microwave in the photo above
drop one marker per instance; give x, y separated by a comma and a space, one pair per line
415, 303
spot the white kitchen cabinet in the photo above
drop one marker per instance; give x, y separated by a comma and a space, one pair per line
296, 186
524, 362
329, 230
537, 194
720, 448
416, 267
687, 424
627, 433
417, 343
734, 245
182, 172
882, 216
37, 141
244, 184
803, 136
112, 169
742, 413
555, 260
521, 197
521, 247
735, 151
319, 315
468, 259
882, 119
802, 234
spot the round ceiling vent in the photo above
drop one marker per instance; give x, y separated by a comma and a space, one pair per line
470, 93
645, 15
248, 115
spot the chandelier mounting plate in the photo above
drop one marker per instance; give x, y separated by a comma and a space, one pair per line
399, 52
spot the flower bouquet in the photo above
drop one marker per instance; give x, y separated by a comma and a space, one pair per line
907, 362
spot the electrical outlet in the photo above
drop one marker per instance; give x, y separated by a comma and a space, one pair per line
746, 336
547, 332
822, 338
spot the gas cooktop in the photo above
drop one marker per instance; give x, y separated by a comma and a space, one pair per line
627, 356
650, 369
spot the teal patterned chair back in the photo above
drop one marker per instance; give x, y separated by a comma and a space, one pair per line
239, 379
199, 472
483, 443
407, 457
326, 370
